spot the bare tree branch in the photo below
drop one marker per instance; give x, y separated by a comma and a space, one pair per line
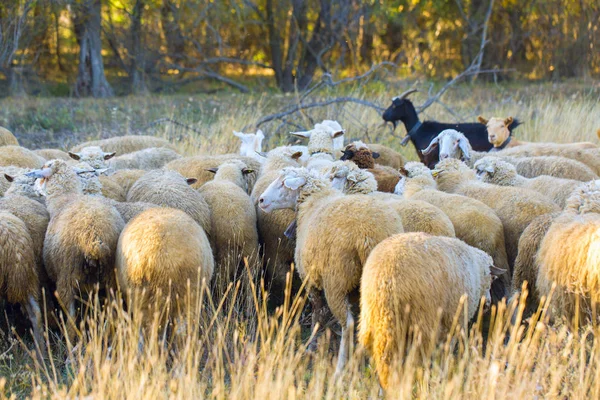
479, 57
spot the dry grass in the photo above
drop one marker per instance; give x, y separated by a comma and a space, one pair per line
236, 345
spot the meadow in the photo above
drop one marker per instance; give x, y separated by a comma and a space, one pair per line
241, 346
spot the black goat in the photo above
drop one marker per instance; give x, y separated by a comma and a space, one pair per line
422, 133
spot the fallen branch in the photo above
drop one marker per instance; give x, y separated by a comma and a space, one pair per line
172, 121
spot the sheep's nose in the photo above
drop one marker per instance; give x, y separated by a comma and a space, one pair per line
261, 200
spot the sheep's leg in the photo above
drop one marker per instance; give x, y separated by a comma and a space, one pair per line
347, 339
35, 316
318, 317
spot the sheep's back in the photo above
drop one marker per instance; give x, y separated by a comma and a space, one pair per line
18, 156
7, 138
126, 144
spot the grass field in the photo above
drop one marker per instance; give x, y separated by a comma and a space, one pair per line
239, 347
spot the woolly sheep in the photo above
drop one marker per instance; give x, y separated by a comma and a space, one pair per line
251, 143
124, 178
129, 211
126, 144
500, 136
162, 254
474, 223
498, 172
387, 178
516, 207
233, 217
93, 155
171, 189
335, 234
569, 256
53, 154
321, 144
19, 280
526, 266
17, 156
6, 177
427, 273
198, 167
21, 184
82, 234
147, 159
417, 216
7, 138
278, 249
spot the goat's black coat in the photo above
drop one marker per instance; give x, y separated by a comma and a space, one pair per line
403, 110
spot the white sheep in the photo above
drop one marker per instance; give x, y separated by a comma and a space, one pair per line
427, 273
335, 234
322, 144
126, 144
146, 159
251, 144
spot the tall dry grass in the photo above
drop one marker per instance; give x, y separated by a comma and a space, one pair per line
235, 344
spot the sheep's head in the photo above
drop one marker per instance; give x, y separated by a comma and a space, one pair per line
452, 169
585, 199
400, 109
251, 142
21, 183
55, 176
452, 144
415, 168
348, 178
283, 192
338, 142
497, 129
94, 156
321, 138
234, 171
360, 154
494, 170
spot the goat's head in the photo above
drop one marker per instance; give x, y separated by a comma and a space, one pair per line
400, 109
452, 144
497, 129
251, 142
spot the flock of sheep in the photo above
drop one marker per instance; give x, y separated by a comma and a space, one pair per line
369, 232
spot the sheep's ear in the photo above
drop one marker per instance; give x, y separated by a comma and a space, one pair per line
305, 134
434, 143
213, 170
238, 134
403, 171
191, 181
8, 177
260, 134
296, 155
482, 120
294, 183
508, 121
337, 134
489, 168
74, 156
463, 145
376, 155
247, 171
108, 156
495, 271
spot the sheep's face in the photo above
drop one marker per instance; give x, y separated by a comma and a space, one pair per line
497, 129
283, 192
94, 156
485, 169
322, 139
415, 168
360, 155
452, 144
251, 142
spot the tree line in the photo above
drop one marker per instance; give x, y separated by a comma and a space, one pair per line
143, 44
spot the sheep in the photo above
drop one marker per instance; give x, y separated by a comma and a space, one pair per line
6, 177
147, 159
422, 133
454, 144
278, 249
126, 144
426, 273
198, 167
19, 280
321, 144
53, 154
474, 223
334, 236
162, 255
498, 172
251, 144
124, 178
233, 217
417, 216
93, 155
516, 207
17, 156
21, 184
129, 211
82, 235
500, 135
170, 189
387, 178
95, 184
569, 256
526, 266
7, 138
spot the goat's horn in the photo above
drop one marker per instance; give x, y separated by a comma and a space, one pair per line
407, 93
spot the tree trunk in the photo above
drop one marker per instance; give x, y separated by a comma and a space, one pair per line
366, 47
91, 80
172, 31
136, 70
275, 47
